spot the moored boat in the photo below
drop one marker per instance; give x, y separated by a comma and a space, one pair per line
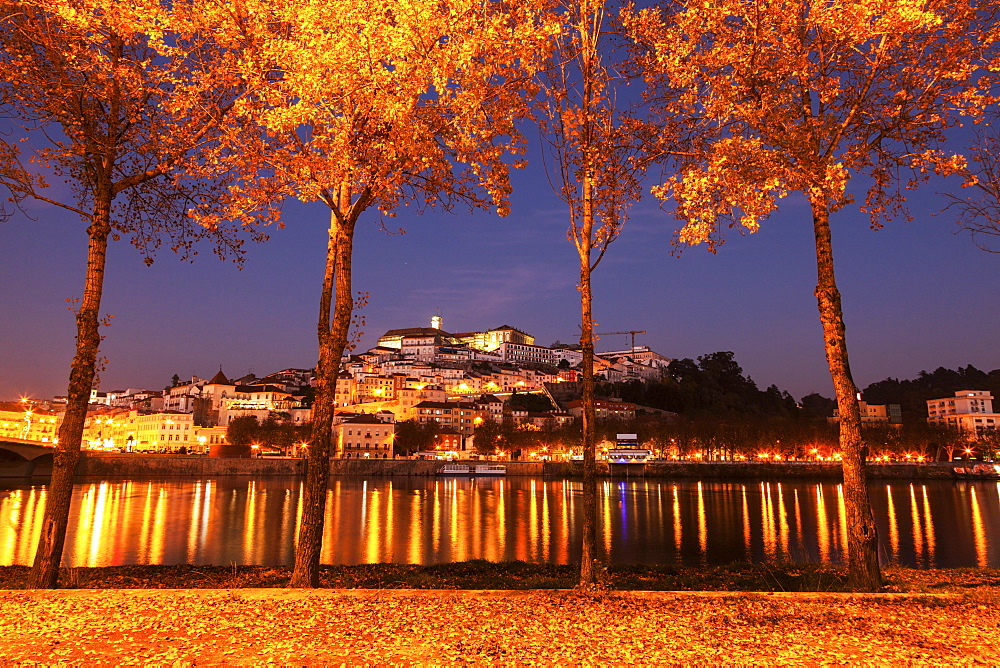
455, 469
980, 472
491, 469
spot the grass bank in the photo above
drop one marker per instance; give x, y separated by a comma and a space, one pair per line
515, 575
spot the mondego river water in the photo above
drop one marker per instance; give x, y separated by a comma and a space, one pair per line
239, 520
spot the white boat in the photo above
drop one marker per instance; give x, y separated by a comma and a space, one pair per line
629, 456
491, 469
455, 469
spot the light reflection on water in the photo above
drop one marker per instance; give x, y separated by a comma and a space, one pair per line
430, 520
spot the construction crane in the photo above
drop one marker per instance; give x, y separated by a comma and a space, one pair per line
630, 332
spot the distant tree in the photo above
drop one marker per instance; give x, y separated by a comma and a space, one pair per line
412, 436
488, 436
801, 97
243, 430
175, 380
532, 402
127, 104
817, 406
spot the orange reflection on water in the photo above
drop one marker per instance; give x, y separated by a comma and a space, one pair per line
782, 522
702, 525
767, 521
928, 527
565, 512
19, 534
822, 526
606, 516
842, 516
533, 522
746, 523
893, 525
918, 533
157, 543
370, 521
546, 523
413, 551
436, 503
677, 525
251, 517
501, 517
978, 529
799, 528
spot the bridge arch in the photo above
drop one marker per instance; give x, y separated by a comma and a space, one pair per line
19, 459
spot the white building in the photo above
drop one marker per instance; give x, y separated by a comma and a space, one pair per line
159, 432
968, 410
641, 355
522, 353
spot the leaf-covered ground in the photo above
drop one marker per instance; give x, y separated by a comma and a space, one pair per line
256, 626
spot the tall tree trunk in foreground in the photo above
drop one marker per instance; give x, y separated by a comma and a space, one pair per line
864, 573
588, 558
332, 337
584, 239
48, 554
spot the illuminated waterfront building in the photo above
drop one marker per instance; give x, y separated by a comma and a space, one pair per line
22, 420
366, 437
968, 410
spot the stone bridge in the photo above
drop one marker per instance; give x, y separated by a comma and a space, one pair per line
20, 458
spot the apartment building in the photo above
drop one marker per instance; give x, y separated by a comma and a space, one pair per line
461, 417
968, 410
366, 436
604, 409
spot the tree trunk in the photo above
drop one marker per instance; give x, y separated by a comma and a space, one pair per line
588, 559
864, 573
48, 554
584, 244
332, 341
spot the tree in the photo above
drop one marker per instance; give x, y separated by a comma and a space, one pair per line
411, 436
128, 112
595, 165
379, 104
817, 406
803, 96
530, 401
242, 430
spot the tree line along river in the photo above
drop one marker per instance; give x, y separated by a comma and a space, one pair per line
223, 520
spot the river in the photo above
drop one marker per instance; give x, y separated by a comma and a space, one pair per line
239, 520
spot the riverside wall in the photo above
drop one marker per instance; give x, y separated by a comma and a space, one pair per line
117, 464
133, 464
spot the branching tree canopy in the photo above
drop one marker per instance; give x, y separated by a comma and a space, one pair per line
378, 105
804, 96
124, 104
977, 208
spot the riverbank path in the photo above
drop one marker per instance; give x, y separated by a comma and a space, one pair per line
284, 626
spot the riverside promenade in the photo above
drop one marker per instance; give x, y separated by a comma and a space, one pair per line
306, 627
120, 464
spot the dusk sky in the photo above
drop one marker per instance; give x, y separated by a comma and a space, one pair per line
916, 295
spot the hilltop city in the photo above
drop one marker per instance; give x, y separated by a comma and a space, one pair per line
418, 378
423, 374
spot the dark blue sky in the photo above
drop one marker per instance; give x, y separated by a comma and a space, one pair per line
916, 295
